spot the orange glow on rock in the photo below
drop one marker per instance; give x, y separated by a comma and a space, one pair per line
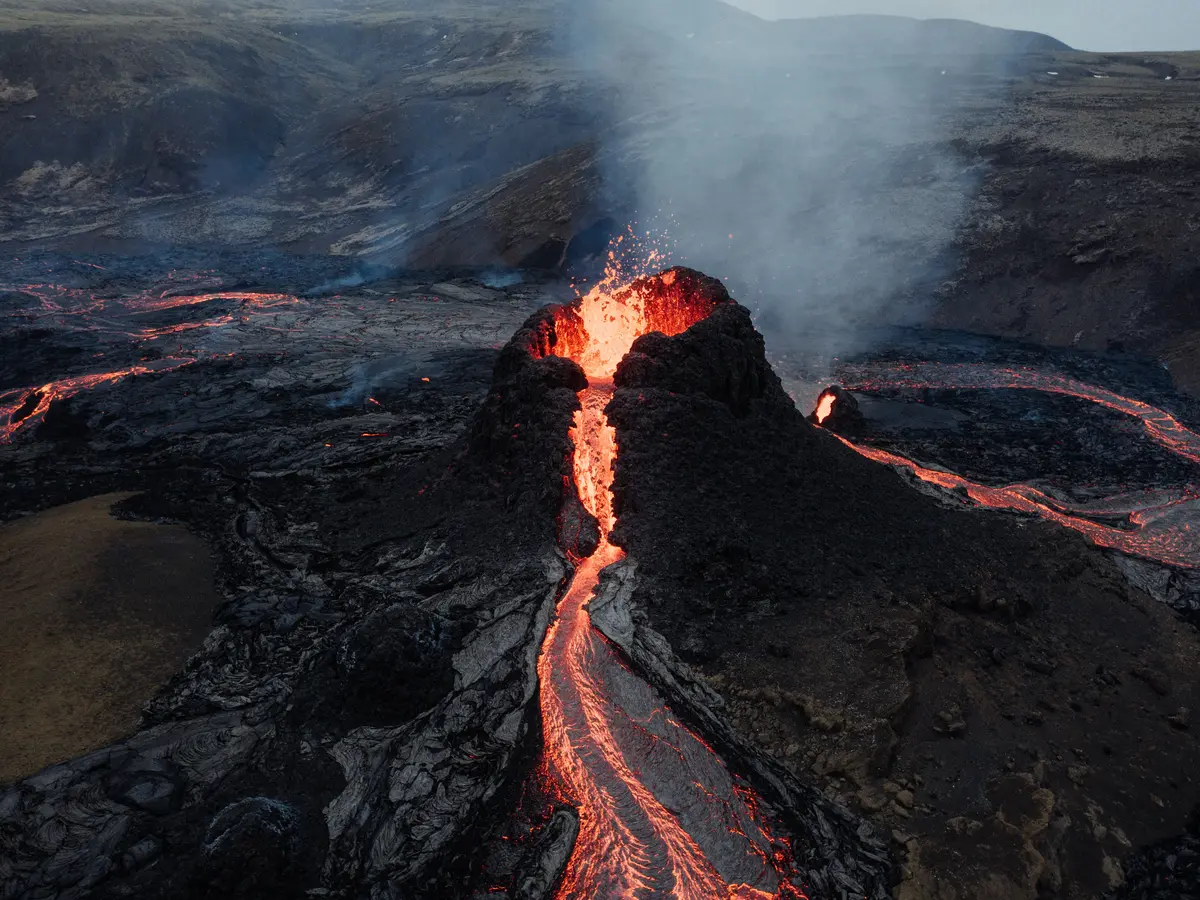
630, 844
825, 407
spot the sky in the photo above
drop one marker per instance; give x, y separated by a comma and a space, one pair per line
1105, 25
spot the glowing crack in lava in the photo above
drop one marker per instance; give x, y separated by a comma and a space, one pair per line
1154, 524
660, 815
24, 406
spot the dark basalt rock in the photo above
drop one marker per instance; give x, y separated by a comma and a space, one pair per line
539, 871
250, 850
1169, 870
400, 644
578, 529
373, 668
713, 362
749, 528
727, 496
151, 785
374, 676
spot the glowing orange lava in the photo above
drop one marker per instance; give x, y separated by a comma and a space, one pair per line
76, 309
1156, 537
24, 406
1162, 427
825, 407
611, 761
1155, 525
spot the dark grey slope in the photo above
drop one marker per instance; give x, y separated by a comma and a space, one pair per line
902, 34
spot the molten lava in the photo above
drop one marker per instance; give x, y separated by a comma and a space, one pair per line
1153, 524
77, 310
24, 406
825, 407
1157, 535
1162, 427
660, 815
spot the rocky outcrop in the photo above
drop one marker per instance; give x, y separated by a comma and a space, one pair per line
351, 722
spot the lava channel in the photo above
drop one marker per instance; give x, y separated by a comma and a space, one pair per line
1153, 524
21, 407
660, 814
1160, 425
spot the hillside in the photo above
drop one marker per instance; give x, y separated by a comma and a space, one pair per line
873, 33
965, 181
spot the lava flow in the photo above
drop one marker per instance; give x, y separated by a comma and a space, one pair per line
1154, 525
1162, 427
1157, 536
660, 815
75, 309
24, 406
824, 407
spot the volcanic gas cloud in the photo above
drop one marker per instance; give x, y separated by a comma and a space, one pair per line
659, 813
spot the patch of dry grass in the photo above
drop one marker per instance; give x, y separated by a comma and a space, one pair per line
97, 614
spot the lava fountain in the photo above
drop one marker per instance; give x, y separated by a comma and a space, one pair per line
660, 815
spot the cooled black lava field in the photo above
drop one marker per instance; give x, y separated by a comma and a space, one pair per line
904, 692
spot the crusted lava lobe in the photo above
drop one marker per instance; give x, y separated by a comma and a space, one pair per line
924, 662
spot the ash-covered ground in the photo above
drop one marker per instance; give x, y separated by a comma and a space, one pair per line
381, 485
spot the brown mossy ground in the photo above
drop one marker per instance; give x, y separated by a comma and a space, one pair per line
98, 613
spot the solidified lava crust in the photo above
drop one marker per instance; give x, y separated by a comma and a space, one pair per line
367, 713
647, 822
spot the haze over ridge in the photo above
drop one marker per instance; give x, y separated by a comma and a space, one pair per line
1098, 25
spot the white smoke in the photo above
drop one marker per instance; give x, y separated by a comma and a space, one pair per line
807, 163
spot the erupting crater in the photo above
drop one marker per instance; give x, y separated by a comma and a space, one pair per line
659, 813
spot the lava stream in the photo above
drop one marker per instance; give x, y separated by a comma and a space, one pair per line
660, 815
1156, 524
1163, 427
23, 406
1158, 535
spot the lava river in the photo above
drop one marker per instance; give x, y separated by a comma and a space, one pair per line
75, 309
660, 815
1154, 524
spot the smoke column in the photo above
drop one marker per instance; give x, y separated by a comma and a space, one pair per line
808, 164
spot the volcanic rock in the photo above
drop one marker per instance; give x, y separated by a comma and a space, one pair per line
844, 415
539, 872
728, 498
1169, 870
250, 849
308, 742
389, 562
